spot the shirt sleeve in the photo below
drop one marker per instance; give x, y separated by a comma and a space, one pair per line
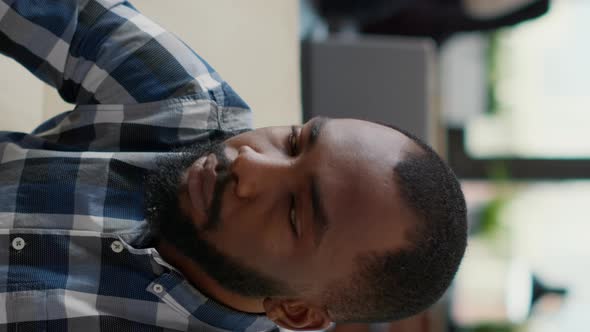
105, 52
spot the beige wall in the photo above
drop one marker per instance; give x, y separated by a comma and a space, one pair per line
21, 97
253, 44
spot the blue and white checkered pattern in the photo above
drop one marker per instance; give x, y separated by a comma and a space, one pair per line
73, 250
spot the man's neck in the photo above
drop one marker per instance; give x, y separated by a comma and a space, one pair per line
205, 284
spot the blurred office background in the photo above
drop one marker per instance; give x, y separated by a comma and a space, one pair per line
500, 90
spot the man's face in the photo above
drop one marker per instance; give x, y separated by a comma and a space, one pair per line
297, 204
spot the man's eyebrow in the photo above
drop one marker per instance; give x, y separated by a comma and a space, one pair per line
319, 220
316, 125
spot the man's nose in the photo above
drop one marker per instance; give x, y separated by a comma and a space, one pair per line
257, 173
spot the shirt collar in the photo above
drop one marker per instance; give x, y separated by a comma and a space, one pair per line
175, 290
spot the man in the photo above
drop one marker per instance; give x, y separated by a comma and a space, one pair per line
152, 206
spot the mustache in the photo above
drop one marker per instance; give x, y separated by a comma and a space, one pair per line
223, 179
214, 212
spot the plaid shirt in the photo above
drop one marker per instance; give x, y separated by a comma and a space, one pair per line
74, 254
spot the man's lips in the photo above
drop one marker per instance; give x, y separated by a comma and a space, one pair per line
201, 183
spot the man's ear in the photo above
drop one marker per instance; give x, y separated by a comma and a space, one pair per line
296, 315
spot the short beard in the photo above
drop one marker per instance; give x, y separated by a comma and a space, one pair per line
169, 223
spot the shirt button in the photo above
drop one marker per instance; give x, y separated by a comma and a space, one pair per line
18, 243
158, 288
117, 246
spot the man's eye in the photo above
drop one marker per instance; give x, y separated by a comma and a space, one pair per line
293, 217
292, 141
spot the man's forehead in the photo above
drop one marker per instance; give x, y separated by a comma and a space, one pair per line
355, 163
360, 191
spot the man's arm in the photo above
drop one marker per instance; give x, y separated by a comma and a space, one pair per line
101, 51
